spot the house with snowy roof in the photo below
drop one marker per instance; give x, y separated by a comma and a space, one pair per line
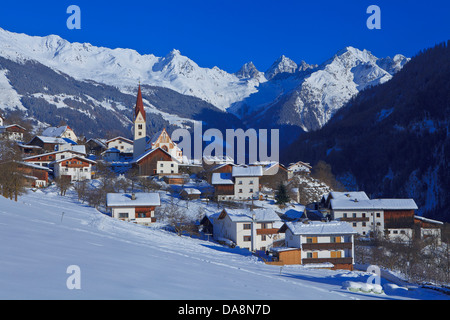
122, 144
136, 207
318, 244
60, 132
74, 168
393, 218
255, 229
13, 132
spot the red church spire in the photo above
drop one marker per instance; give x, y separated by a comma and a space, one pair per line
139, 104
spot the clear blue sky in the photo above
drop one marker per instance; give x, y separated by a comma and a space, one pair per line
229, 33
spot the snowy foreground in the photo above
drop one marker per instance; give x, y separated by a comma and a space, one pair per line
43, 234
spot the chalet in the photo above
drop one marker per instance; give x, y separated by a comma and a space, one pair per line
428, 228
60, 132
36, 176
254, 230
190, 193
96, 146
49, 144
12, 132
223, 186
46, 159
274, 173
75, 168
138, 208
122, 144
321, 244
299, 167
392, 217
156, 162
162, 140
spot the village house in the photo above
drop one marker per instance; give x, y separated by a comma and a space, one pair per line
316, 243
122, 144
156, 162
46, 159
95, 146
136, 207
49, 144
60, 132
246, 181
393, 218
255, 229
190, 193
35, 176
299, 167
162, 140
12, 132
75, 168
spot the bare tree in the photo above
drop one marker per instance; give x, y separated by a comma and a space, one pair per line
63, 184
176, 217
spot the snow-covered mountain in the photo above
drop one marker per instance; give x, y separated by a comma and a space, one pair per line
301, 96
123, 68
307, 97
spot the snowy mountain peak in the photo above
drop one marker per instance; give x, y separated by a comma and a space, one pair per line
249, 71
282, 65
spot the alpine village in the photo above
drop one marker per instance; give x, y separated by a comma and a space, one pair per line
284, 214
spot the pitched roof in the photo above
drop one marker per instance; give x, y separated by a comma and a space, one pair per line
318, 227
374, 204
139, 105
55, 131
246, 215
145, 154
125, 199
252, 171
221, 178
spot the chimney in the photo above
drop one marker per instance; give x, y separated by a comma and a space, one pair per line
133, 196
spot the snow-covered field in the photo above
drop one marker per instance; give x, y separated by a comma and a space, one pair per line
43, 234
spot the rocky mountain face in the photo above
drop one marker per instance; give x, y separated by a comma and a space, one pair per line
393, 140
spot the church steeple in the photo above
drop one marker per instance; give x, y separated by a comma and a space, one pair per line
139, 105
140, 126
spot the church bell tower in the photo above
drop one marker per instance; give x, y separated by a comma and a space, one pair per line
140, 124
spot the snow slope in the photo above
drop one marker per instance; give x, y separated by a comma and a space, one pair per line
120, 260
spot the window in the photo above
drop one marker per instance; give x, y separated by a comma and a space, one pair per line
251, 190
344, 215
363, 214
240, 182
311, 240
354, 215
263, 237
123, 215
378, 214
335, 239
251, 182
355, 224
140, 126
171, 165
247, 226
141, 215
240, 190
247, 238
161, 165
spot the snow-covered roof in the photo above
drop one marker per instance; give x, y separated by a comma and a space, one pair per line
35, 166
192, 191
358, 195
75, 157
318, 227
146, 153
221, 178
51, 140
374, 204
246, 215
251, 171
125, 199
120, 138
428, 220
55, 131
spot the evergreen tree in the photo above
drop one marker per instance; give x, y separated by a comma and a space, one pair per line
282, 195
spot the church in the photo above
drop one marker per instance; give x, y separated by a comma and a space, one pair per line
158, 155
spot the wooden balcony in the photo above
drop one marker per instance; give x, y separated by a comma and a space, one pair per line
356, 219
334, 261
327, 246
267, 231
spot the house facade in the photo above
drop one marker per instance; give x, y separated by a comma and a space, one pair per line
251, 229
75, 168
122, 144
138, 208
60, 132
155, 162
246, 181
46, 159
12, 132
330, 244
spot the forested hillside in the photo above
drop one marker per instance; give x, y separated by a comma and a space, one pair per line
392, 140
